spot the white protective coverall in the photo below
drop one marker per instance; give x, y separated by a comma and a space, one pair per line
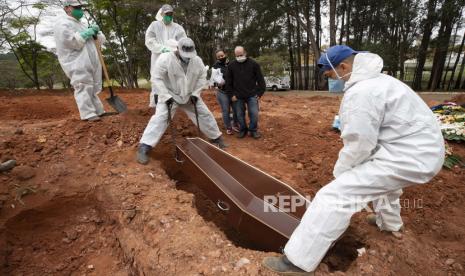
156, 38
171, 81
81, 64
391, 141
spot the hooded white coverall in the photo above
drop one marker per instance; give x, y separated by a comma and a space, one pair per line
80, 62
156, 38
391, 141
171, 81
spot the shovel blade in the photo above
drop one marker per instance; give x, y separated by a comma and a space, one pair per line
117, 104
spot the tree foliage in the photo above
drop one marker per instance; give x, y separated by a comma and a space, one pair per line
278, 33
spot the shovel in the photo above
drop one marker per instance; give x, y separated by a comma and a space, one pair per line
114, 101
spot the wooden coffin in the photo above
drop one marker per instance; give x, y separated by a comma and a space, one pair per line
244, 194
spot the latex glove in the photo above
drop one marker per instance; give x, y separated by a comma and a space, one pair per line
165, 50
87, 34
194, 99
95, 27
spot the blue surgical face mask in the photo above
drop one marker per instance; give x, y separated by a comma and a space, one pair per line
332, 67
336, 85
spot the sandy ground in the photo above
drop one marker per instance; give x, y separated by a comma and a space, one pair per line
79, 204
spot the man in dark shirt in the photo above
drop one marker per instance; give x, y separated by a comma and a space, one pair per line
245, 83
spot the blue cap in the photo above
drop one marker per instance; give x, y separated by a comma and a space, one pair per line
335, 55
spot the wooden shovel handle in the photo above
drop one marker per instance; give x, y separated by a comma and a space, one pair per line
102, 61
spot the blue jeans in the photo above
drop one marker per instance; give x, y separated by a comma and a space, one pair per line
252, 108
226, 105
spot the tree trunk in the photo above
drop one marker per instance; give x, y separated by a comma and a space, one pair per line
451, 80
307, 9
332, 22
21, 65
289, 45
349, 11
459, 77
447, 22
343, 13
118, 34
316, 54
403, 46
299, 53
423, 49
443, 84
318, 23
112, 50
313, 43
35, 72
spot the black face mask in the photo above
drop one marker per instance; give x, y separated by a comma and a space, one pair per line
222, 60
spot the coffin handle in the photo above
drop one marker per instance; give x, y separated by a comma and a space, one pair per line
224, 206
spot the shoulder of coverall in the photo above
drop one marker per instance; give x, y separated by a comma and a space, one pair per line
164, 59
65, 19
365, 95
66, 22
155, 23
198, 61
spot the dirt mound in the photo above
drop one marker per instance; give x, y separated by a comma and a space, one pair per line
459, 99
35, 108
91, 209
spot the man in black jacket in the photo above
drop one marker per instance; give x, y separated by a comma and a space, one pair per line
245, 83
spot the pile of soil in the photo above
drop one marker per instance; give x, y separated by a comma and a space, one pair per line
79, 204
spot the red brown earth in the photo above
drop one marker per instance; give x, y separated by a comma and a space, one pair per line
79, 204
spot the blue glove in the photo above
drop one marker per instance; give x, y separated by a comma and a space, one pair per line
165, 50
95, 27
89, 33
336, 123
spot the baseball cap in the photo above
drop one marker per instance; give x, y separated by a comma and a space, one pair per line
186, 48
335, 55
166, 8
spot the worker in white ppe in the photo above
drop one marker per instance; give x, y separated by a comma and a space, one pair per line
78, 56
179, 77
391, 141
157, 36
